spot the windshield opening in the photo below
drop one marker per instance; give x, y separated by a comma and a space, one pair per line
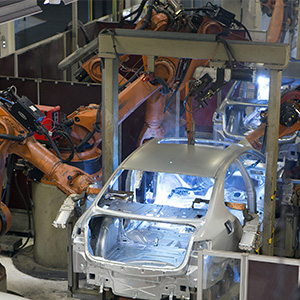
158, 189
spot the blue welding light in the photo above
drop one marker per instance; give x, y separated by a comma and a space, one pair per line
263, 87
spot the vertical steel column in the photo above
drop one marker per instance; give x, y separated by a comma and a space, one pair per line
299, 275
115, 10
110, 109
65, 54
200, 275
74, 25
90, 10
16, 65
120, 9
271, 165
244, 270
74, 35
73, 278
38, 90
298, 36
177, 112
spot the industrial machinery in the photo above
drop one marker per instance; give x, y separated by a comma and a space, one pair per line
242, 118
283, 15
130, 205
164, 203
19, 120
289, 119
243, 114
170, 75
174, 74
5, 219
174, 198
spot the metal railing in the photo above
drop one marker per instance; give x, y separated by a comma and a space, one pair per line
243, 259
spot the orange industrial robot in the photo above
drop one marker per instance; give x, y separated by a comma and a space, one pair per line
20, 119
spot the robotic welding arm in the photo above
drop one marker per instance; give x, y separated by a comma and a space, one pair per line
19, 120
284, 14
289, 120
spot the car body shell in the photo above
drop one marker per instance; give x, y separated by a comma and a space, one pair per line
145, 280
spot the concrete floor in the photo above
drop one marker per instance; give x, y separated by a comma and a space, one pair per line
31, 287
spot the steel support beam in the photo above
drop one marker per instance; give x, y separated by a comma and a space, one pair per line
110, 118
271, 166
265, 55
174, 44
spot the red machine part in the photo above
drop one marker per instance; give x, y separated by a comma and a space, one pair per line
52, 114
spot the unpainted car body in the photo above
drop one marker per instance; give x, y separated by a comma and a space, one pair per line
166, 201
240, 113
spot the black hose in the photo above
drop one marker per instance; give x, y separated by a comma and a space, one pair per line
65, 135
11, 137
10, 164
31, 208
147, 19
44, 131
186, 65
89, 135
244, 27
28, 212
138, 11
228, 52
121, 87
165, 88
80, 26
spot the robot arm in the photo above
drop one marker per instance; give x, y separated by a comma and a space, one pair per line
5, 219
283, 15
289, 120
276, 10
19, 119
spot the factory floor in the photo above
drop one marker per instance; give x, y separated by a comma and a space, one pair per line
31, 287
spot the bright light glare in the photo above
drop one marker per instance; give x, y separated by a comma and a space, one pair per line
181, 190
52, 2
263, 87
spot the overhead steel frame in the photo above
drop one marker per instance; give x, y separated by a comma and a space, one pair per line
274, 57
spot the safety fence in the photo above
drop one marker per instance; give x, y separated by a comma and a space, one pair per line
232, 275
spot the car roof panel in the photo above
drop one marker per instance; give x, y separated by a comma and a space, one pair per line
200, 160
